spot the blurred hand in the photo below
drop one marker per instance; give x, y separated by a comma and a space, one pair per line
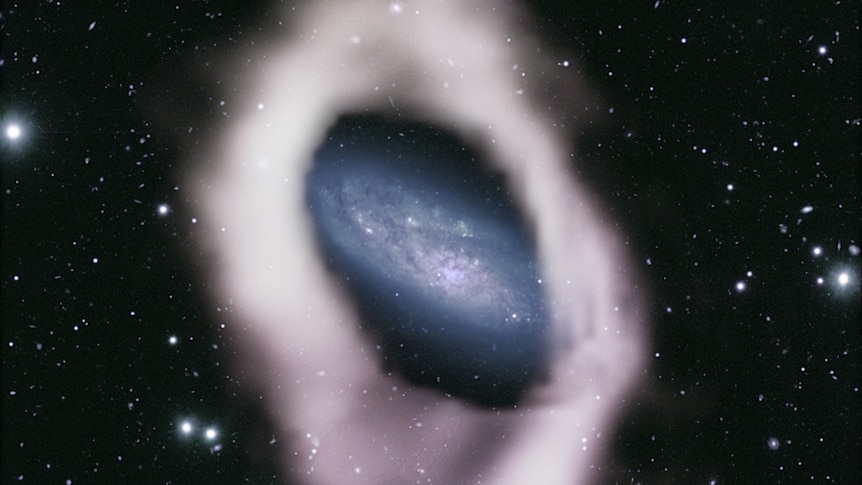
341, 419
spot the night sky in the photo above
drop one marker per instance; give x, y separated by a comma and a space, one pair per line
728, 150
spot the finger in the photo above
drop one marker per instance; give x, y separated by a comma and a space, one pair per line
440, 64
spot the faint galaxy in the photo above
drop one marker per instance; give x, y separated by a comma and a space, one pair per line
428, 234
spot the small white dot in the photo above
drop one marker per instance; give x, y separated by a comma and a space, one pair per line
186, 427
729, 187
817, 251
164, 209
740, 286
822, 50
210, 433
172, 340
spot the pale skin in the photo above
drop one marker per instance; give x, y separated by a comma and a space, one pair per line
340, 417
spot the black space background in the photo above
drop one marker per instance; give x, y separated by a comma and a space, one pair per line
92, 392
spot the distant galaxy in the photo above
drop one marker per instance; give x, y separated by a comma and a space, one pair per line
435, 249
13, 132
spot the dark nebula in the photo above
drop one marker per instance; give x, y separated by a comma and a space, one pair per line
434, 251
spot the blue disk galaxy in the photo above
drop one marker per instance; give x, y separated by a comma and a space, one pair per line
433, 248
